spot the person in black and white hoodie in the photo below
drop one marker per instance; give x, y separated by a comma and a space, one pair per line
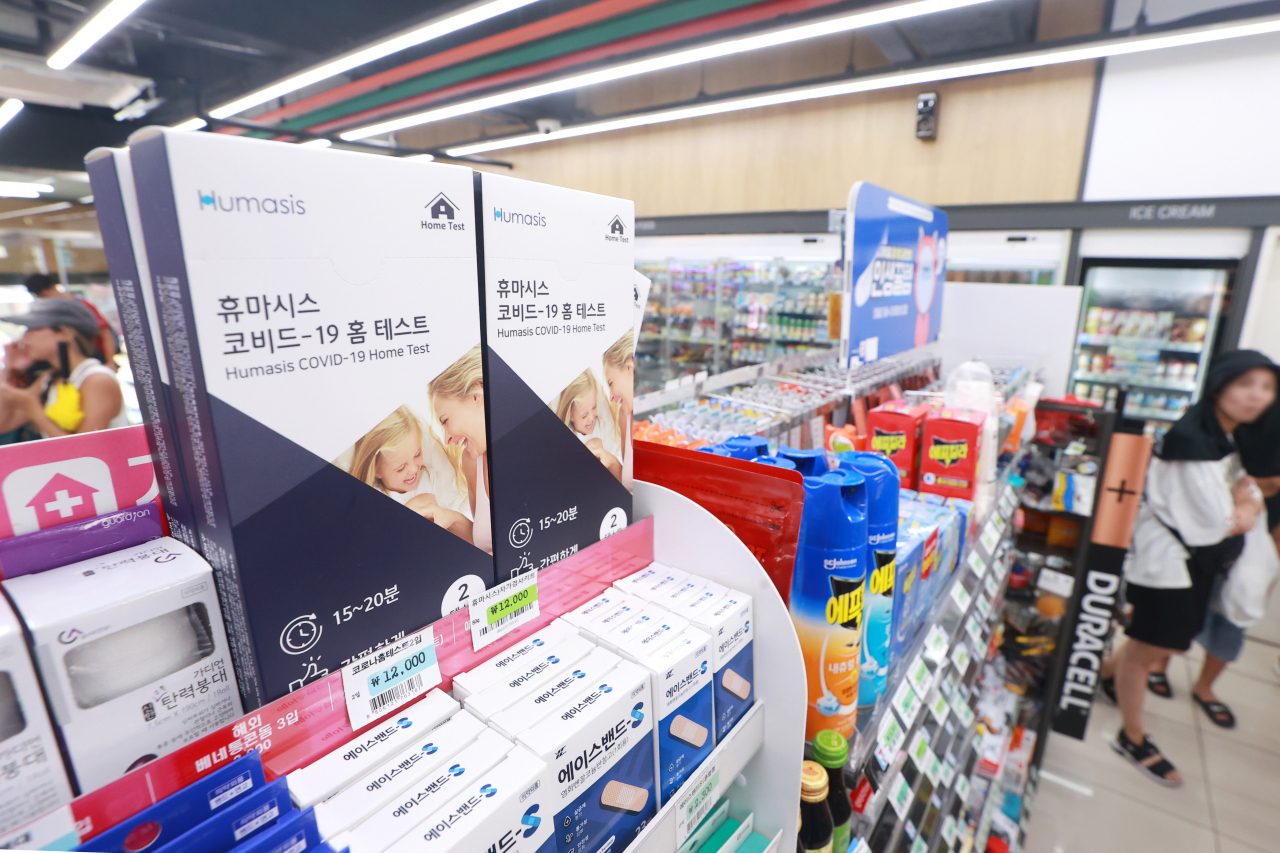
1197, 506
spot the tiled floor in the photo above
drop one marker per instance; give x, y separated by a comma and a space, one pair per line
1093, 801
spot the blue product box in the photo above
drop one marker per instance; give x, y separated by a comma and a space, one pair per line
250, 816
295, 833
910, 561
163, 822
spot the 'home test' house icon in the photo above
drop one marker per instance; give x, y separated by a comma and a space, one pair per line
443, 214
617, 231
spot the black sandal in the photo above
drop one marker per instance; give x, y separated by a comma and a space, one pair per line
1108, 686
1219, 714
1147, 758
1158, 683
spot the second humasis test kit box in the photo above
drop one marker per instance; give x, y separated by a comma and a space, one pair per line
558, 269
322, 317
132, 654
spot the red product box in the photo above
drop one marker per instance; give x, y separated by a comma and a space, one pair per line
894, 429
949, 452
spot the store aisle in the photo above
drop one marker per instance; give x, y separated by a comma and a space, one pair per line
1091, 800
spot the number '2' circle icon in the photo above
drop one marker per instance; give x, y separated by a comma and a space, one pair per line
521, 533
300, 635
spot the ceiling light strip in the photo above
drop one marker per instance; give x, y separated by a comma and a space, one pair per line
1020, 62
10, 108
92, 31
702, 53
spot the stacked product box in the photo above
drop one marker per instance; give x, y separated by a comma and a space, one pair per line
558, 277
116, 203
129, 643
308, 320
894, 429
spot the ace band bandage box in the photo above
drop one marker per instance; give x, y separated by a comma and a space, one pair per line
552, 662
328, 774
408, 810
728, 621
129, 644
547, 697
682, 698
34, 781
397, 772
599, 750
558, 270
116, 205
310, 301
507, 808
495, 670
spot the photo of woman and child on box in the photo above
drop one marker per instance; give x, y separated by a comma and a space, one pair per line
433, 459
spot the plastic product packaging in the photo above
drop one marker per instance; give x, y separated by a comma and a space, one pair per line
827, 597
138, 629
37, 781
80, 540
180, 812
247, 817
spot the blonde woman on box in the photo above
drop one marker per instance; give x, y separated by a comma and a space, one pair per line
457, 406
579, 408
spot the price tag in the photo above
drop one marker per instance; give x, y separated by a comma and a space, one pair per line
935, 644
919, 675
974, 628
900, 796
502, 609
962, 789
991, 585
696, 798
961, 596
938, 708
862, 847
960, 657
984, 606
919, 751
977, 565
990, 537
889, 739
933, 769
920, 845
963, 712
906, 703
383, 680
949, 830
948, 771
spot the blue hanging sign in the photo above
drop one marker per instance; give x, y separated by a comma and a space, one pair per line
896, 250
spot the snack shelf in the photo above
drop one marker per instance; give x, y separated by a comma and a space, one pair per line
1151, 343
1187, 386
1151, 414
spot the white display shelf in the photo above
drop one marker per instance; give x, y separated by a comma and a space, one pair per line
761, 757
1143, 343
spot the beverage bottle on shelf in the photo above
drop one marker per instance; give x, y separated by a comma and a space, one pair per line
831, 750
817, 832
826, 597
882, 541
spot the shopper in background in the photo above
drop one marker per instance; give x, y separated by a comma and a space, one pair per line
1260, 452
1190, 530
78, 394
42, 286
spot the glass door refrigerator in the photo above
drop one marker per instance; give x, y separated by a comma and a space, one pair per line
1150, 324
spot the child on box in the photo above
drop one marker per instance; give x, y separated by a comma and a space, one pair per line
390, 458
579, 408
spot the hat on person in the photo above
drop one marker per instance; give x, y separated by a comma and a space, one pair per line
45, 313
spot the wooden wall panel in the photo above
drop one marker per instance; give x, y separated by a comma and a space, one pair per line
1013, 137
